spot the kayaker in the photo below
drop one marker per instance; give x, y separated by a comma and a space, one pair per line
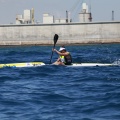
64, 57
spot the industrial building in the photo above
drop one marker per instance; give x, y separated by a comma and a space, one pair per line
85, 15
47, 18
26, 18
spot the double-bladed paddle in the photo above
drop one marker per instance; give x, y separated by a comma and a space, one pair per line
55, 41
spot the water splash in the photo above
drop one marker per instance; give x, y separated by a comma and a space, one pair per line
117, 62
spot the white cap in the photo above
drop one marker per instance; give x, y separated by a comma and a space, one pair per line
62, 48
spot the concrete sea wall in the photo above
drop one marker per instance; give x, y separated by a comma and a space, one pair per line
71, 33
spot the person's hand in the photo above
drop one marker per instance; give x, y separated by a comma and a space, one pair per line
58, 60
54, 50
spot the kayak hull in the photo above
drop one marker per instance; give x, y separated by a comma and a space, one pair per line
36, 64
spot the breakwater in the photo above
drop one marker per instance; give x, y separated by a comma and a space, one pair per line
69, 33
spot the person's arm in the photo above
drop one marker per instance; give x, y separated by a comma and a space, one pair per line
61, 54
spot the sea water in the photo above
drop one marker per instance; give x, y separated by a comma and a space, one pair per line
59, 92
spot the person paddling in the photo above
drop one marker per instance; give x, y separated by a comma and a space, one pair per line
64, 57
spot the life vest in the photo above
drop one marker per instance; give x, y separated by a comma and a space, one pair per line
67, 60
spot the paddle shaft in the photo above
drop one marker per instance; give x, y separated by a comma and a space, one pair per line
55, 41
52, 54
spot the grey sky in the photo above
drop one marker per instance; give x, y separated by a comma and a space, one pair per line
101, 9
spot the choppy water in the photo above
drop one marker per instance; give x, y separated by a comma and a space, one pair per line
57, 92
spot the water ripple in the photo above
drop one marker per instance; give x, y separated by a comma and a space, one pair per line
58, 92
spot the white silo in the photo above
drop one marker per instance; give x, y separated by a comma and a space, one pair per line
84, 7
27, 16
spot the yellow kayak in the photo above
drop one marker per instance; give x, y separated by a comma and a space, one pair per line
27, 64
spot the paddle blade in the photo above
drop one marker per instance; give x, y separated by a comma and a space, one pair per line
55, 38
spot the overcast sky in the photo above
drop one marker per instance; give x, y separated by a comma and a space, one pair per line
101, 9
